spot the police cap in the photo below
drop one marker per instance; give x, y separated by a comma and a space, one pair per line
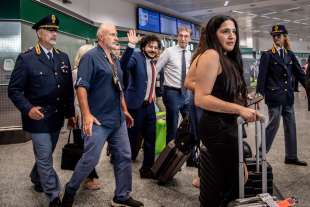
278, 29
49, 22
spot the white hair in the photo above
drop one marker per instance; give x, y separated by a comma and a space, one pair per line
104, 26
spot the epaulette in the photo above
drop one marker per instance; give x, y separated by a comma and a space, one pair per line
273, 50
57, 50
37, 49
28, 50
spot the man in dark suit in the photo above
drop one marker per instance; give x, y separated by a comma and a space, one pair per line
277, 66
41, 88
140, 96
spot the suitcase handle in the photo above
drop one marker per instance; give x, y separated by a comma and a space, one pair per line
260, 120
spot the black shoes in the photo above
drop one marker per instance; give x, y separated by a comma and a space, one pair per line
295, 162
67, 199
129, 202
38, 188
55, 203
191, 163
146, 173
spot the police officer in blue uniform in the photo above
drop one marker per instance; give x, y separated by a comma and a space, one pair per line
41, 88
276, 69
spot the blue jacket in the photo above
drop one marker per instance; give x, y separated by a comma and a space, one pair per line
35, 81
275, 77
137, 84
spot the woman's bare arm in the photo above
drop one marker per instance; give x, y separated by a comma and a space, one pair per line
208, 69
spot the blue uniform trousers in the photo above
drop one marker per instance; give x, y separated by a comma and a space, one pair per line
43, 172
289, 124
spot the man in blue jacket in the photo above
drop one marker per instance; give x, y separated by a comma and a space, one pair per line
277, 66
140, 96
41, 88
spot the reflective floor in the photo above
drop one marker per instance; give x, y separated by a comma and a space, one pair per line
16, 161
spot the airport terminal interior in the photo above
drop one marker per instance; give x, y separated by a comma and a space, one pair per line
79, 21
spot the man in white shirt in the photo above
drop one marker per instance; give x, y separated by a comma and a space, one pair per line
175, 62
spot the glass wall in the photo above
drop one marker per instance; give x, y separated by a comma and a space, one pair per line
10, 47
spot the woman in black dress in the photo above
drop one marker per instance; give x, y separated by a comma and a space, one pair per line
220, 90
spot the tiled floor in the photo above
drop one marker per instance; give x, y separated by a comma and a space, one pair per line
16, 161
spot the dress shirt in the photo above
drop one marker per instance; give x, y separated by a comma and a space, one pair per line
171, 62
149, 78
47, 51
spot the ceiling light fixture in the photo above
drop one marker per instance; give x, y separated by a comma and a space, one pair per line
266, 14
298, 20
226, 3
291, 9
236, 11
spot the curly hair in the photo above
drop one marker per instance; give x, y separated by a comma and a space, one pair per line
147, 39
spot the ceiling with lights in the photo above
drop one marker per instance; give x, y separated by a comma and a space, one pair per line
254, 16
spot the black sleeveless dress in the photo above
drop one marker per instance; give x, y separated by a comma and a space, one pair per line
219, 161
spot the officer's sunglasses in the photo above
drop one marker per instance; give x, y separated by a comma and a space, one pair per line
276, 36
50, 29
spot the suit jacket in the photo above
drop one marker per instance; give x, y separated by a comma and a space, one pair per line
37, 81
275, 77
137, 85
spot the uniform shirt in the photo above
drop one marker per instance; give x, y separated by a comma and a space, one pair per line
171, 62
149, 78
278, 49
104, 99
47, 51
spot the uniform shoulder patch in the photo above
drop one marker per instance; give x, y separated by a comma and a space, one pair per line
57, 50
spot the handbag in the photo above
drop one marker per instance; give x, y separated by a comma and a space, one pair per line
71, 152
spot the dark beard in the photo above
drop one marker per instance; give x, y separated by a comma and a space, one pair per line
146, 55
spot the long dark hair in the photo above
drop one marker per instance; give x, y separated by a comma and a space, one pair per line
231, 62
202, 46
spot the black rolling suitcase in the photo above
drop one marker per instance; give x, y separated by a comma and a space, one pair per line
172, 158
262, 198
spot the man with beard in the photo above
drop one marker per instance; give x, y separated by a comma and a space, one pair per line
140, 96
41, 88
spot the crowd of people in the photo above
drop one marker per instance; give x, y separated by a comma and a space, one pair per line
112, 98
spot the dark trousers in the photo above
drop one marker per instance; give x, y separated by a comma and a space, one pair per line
145, 125
289, 124
175, 103
195, 114
43, 172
